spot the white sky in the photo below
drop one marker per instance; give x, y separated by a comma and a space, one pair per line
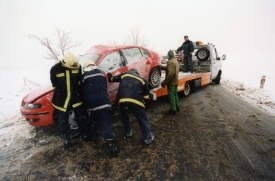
243, 30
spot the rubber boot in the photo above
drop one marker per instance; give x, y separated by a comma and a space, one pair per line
66, 142
171, 112
83, 130
111, 148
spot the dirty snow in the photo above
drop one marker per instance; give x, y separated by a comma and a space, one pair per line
262, 98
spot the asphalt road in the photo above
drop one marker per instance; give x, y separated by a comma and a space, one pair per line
215, 136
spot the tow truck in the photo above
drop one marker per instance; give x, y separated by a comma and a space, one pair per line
207, 69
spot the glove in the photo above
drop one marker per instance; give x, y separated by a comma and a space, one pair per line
163, 84
109, 75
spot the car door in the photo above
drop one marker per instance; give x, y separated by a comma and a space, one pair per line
135, 59
115, 64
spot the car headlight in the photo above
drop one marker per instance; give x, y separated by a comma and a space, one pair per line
32, 106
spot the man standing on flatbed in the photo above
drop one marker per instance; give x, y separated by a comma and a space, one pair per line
188, 49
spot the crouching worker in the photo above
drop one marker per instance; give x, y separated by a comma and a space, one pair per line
66, 78
171, 80
98, 104
132, 91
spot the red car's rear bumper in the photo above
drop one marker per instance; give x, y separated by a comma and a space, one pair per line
38, 117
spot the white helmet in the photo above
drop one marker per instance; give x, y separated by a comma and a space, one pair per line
88, 63
70, 61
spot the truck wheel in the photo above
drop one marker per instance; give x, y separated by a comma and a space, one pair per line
218, 78
203, 54
187, 89
154, 78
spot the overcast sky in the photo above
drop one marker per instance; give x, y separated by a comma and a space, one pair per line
243, 30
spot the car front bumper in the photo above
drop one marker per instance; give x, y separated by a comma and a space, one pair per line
38, 117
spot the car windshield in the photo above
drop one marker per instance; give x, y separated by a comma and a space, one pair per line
86, 57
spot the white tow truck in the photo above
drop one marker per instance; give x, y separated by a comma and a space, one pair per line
207, 68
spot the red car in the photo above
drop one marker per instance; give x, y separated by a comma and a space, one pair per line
36, 107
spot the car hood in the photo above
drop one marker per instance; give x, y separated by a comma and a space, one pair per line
41, 91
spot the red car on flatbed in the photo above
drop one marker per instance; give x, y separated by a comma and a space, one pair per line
37, 108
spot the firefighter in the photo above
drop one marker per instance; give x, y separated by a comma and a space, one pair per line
66, 78
98, 104
171, 80
188, 49
132, 93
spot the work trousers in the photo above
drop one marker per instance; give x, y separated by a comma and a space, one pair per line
188, 62
64, 121
101, 117
141, 117
173, 97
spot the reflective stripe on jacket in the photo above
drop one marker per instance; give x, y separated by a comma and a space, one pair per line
132, 88
95, 90
66, 87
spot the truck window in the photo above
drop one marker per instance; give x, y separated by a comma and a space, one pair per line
132, 55
111, 62
217, 55
214, 54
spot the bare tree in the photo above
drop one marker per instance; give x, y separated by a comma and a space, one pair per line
136, 38
112, 42
58, 46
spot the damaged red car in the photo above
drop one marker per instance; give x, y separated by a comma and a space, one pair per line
37, 108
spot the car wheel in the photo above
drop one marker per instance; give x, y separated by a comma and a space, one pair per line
187, 89
203, 54
154, 78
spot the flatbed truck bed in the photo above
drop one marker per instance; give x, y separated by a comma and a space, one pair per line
186, 80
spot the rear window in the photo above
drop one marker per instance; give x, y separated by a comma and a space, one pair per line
145, 53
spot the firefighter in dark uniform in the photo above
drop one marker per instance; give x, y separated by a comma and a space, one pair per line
66, 79
132, 93
98, 105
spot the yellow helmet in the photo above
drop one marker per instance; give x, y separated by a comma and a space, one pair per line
70, 61
87, 63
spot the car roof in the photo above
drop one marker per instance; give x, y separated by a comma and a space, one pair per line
103, 49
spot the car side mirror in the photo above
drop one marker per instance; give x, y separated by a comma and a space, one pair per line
223, 57
218, 58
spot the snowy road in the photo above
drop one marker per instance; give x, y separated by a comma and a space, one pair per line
216, 136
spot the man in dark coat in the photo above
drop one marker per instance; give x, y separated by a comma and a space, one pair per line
66, 78
98, 104
188, 49
132, 94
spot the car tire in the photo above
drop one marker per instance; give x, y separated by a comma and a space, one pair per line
187, 89
154, 78
203, 54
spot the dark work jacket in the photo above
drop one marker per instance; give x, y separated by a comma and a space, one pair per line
187, 47
95, 90
66, 84
132, 88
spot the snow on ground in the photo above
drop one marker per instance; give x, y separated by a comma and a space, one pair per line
16, 83
262, 98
